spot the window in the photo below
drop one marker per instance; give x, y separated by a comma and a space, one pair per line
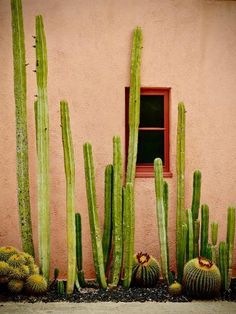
153, 138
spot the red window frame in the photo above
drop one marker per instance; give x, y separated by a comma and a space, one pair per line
146, 170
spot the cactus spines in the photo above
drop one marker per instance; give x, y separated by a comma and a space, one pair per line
189, 248
230, 240
201, 278
128, 234
93, 216
42, 140
180, 169
69, 164
196, 194
196, 233
117, 212
204, 229
79, 252
175, 289
182, 251
6, 252
134, 104
107, 228
146, 270
16, 260
223, 264
36, 284
161, 217
15, 285
214, 235
21, 126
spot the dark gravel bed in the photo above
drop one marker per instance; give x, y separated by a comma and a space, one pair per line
92, 294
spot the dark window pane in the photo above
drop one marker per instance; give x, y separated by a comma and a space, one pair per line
152, 111
150, 146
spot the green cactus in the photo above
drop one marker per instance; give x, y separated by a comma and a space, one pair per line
166, 207
128, 234
180, 169
196, 232
34, 269
42, 140
223, 264
20, 272
116, 212
175, 289
60, 287
6, 252
146, 270
134, 104
161, 217
107, 228
201, 278
21, 126
69, 164
182, 251
204, 229
16, 260
29, 260
209, 252
190, 244
196, 194
4, 272
15, 285
214, 235
79, 252
36, 284
93, 216
230, 240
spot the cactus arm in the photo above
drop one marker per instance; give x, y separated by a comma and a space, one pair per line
196, 194
134, 104
190, 235
93, 216
42, 138
128, 221
117, 211
196, 232
180, 168
107, 229
21, 127
214, 235
204, 229
223, 264
182, 251
161, 217
69, 164
230, 240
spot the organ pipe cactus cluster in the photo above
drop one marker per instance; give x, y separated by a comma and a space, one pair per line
42, 140
107, 229
69, 165
117, 212
134, 104
93, 216
21, 126
161, 217
128, 234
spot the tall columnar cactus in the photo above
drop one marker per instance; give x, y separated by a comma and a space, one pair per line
93, 216
42, 139
214, 236
230, 240
117, 212
189, 246
180, 168
223, 264
128, 234
196, 233
184, 231
107, 229
196, 194
69, 164
204, 229
21, 126
79, 252
134, 104
161, 217
166, 207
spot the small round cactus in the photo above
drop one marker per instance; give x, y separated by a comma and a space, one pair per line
15, 285
146, 270
201, 278
16, 260
36, 284
19, 273
29, 260
34, 270
6, 252
4, 272
175, 289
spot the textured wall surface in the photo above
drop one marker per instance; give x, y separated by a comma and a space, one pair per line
189, 45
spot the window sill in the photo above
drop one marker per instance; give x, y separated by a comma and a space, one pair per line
148, 172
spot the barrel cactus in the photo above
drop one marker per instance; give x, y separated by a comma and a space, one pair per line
146, 270
15, 285
36, 284
175, 289
201, 278
6, 252
16, 260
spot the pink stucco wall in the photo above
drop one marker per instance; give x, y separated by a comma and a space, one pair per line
189, 45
